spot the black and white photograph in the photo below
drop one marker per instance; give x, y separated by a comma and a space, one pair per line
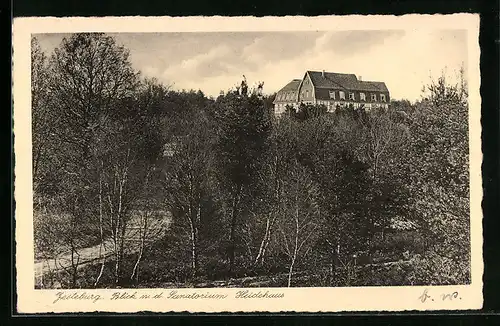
252, 160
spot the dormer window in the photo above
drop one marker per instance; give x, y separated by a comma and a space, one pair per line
382, 97
351, 96
342, 95
374, 97
332, 94
362, 96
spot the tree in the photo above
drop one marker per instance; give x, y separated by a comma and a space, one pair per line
330, 150
244, 125
118, 180
305, 112
441, 91
438, 179
382, 139
39, 107
282, 147
301, 215
152, 217
91, 77
188, 174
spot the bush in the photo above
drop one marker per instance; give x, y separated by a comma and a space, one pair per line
397, 242
433, 269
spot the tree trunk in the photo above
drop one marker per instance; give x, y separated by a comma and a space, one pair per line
117, 255
122, 239
296, 244
194, 247
136, 265
294, 257
260, 254
290, 272
121, 226
232, 240
102, 248
269, 224
74, 265
264, 251
142, 235
333, 264
143, 229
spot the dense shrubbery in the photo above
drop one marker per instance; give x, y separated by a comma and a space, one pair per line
306, 200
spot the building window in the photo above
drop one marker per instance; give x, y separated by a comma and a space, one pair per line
362, 96
332, 94
342, 95
382, 97
307, 93
351, 96
374, 97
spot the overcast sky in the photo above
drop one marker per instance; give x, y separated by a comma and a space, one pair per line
215, 61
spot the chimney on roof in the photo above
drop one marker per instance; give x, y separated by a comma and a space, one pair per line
360, 79
323, 74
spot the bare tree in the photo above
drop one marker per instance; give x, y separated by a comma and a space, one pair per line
43, 116
301, 218
152, 219
90, 78
187, 179
102, 246
274, 173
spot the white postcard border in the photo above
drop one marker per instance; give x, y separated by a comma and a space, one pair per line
294, 299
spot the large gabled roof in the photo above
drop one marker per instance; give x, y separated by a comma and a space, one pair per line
291, 86
372, 86
332, 80
347, 81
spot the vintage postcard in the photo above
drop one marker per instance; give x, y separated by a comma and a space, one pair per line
274, 164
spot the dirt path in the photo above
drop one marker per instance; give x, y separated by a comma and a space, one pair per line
63, 262
91, 255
